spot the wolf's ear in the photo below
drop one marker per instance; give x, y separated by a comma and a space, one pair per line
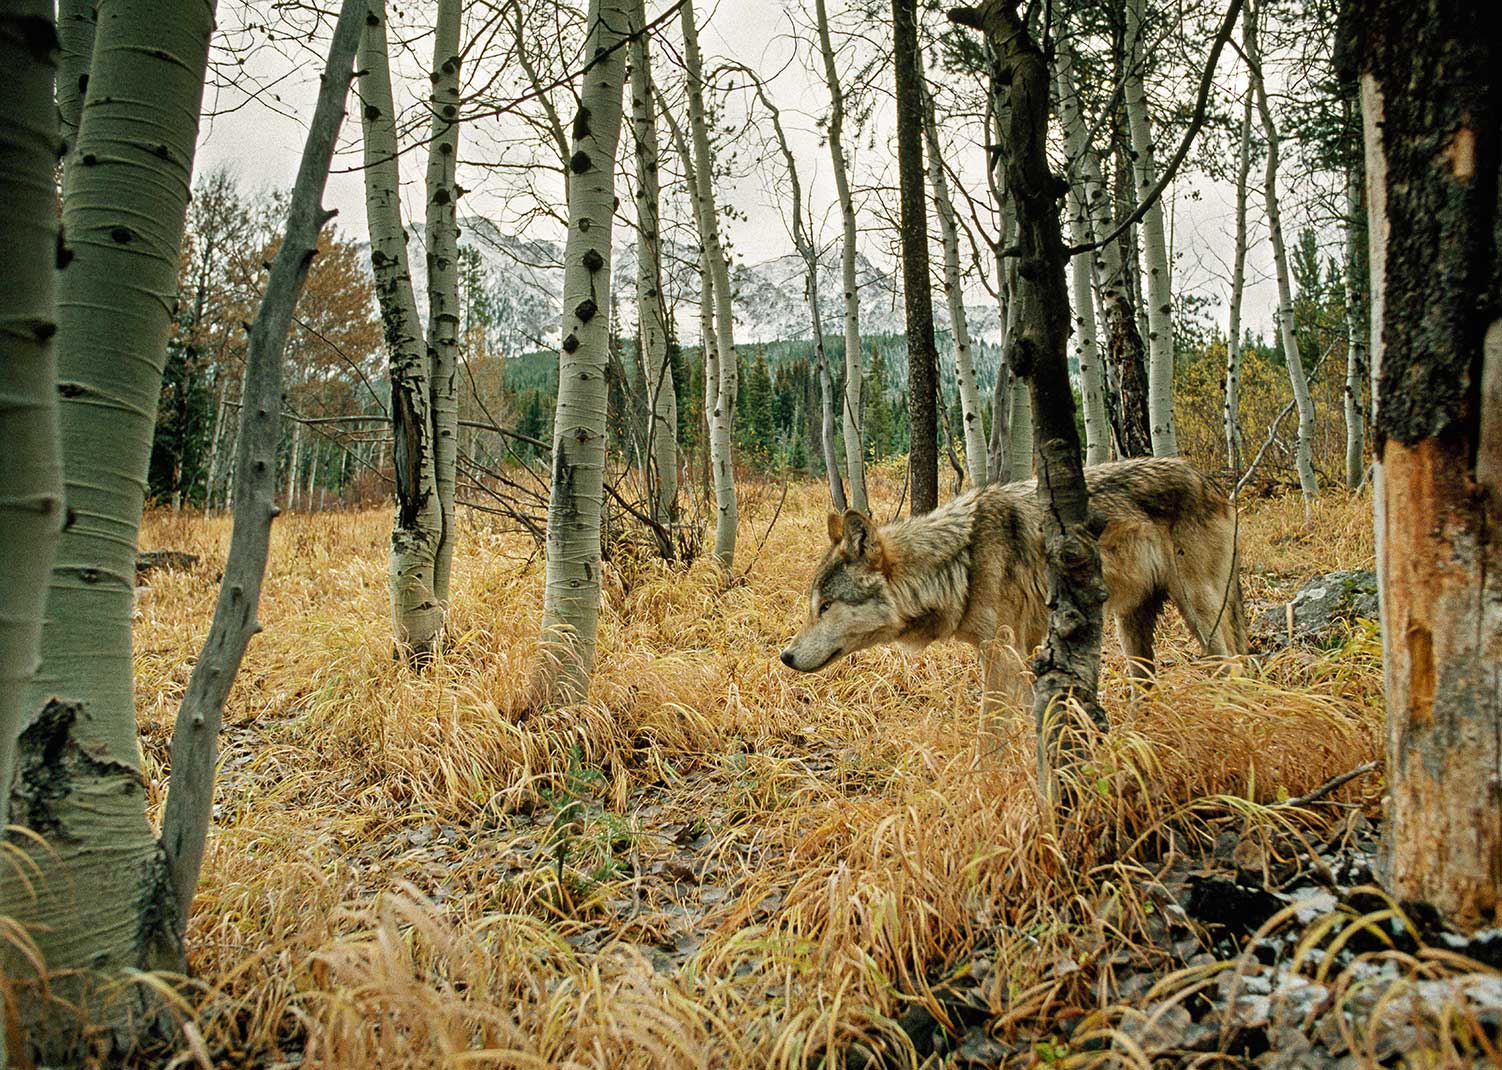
836, 527
858, 531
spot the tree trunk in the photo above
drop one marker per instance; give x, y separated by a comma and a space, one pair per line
1433, 201
1068, 666
571, 597
1092, 374
190, 797
651, 307
1023, 442
443, 281
77, 22
1238, 288
1303, 455
974, 428
31, 493
810, 256
1124, 353
1356, 328
216, 437
722, 415
293, 458
417, 531
79, 784
917, 294
1154, 246
854, 410
999, 448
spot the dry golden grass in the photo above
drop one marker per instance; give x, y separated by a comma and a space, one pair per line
714, 863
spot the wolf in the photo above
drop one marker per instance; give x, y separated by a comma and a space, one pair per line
974, 570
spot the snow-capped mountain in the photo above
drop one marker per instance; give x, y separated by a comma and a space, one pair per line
523, 282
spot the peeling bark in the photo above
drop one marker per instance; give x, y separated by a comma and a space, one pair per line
1434, 211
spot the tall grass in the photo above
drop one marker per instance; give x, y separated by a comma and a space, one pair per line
714, 862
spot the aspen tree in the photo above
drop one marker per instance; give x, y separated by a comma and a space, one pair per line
651, 310
720, 409
976, 461
855, 446
571, 595
1304, 403
417, 531
442, 233
1154, 245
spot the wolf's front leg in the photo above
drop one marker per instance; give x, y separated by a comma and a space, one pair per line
1003, 681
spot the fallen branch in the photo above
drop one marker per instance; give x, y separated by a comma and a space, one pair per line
1330, 785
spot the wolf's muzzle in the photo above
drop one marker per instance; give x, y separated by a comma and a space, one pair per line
788, 659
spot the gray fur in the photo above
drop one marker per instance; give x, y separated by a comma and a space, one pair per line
974, 570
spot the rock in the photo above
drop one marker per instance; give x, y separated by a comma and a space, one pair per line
1321, 606
977, 1049
170, 560
1162, 1028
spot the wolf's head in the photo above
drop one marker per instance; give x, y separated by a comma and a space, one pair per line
850, 603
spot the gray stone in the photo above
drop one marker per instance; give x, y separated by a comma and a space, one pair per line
1320, 608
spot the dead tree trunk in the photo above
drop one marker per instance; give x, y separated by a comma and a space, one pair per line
1068, 667
1433, 205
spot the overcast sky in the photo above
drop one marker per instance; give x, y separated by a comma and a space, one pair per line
259, 138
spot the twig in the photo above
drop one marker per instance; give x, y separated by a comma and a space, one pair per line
1330, 785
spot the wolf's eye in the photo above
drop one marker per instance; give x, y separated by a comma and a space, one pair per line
824, 606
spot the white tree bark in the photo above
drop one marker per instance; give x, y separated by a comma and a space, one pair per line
1303, 456
92, 899
810, 256
722, 414
1154, 244
443, 281
31, 490
1092, 370
1232, 417
976, 460
571, 596
662, 396
416, 611
855, 446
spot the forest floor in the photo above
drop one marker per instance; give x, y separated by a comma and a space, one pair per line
720, 863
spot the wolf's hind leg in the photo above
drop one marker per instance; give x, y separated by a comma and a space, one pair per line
1136, 630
